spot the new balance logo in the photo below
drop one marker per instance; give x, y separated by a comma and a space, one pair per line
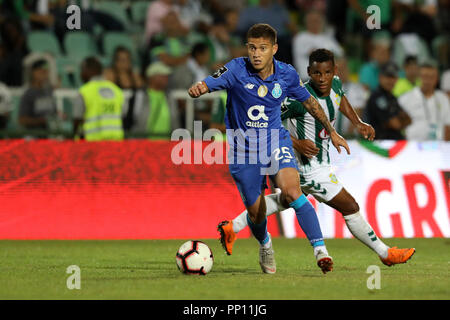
249, 86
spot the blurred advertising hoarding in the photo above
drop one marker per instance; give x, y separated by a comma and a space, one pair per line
132, 190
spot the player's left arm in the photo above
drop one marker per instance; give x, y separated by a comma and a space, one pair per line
365, 129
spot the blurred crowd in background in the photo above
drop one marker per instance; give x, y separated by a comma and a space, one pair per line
397, 78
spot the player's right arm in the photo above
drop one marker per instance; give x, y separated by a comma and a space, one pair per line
223, 78
198, 89
298, 91
315, 109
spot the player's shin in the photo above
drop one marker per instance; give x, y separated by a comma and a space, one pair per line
308, 221
260, 231
273, 205
362, 231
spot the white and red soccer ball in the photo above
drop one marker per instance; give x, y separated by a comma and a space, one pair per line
194, 257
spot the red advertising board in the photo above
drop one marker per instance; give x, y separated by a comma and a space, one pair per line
111, 190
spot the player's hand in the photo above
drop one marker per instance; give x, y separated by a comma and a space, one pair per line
339, 142
197, 90
305, 147
366, 130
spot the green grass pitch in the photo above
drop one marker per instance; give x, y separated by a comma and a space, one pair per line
147, 270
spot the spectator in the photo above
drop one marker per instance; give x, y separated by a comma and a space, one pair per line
445, 82
122, 74
383, 111
121, 71
409, 44
308, 5
236, 45
98, 108
174, 50
416, 17
54, 80
156, 13
356, 94
428, 108
28, 12
219, 41
411, 78
13, 49
37, 108
193, 16
218, 8
379, 55
6, 105
198, 62
312, 38
275, 14
154, 117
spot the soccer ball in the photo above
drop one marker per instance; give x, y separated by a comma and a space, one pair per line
194, 257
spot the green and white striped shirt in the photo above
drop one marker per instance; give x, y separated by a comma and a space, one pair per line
302, 125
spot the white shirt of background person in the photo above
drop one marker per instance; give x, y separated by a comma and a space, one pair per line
429, 115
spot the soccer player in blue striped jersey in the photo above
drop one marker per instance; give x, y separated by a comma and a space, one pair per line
310, 141
256, 87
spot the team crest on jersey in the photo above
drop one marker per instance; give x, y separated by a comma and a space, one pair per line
262, 91
338, 99
333, 178
276, 91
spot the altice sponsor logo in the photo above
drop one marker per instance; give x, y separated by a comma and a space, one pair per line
256, 113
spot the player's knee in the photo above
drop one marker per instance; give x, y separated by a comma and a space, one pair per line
291, 194
351, 208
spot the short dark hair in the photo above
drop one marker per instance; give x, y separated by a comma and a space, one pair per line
38, 64
199, 48
430, 64
93, 65
118, 50
410, 59
321, 55
262, 30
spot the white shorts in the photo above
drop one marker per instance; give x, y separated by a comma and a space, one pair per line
320, 183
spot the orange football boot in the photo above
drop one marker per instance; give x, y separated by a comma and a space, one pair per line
396, 256
227, 235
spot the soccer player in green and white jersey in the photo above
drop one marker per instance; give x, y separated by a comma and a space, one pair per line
310, 141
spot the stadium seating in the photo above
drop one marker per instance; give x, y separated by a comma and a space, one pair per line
139, 11
68, 70
43, 41
79, 45
13, 123
115, 9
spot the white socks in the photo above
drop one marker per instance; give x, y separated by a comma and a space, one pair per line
267, 244
355, 222
362, 231
320, 248
273, 205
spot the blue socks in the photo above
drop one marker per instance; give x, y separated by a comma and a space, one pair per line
307, 218
259, 230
